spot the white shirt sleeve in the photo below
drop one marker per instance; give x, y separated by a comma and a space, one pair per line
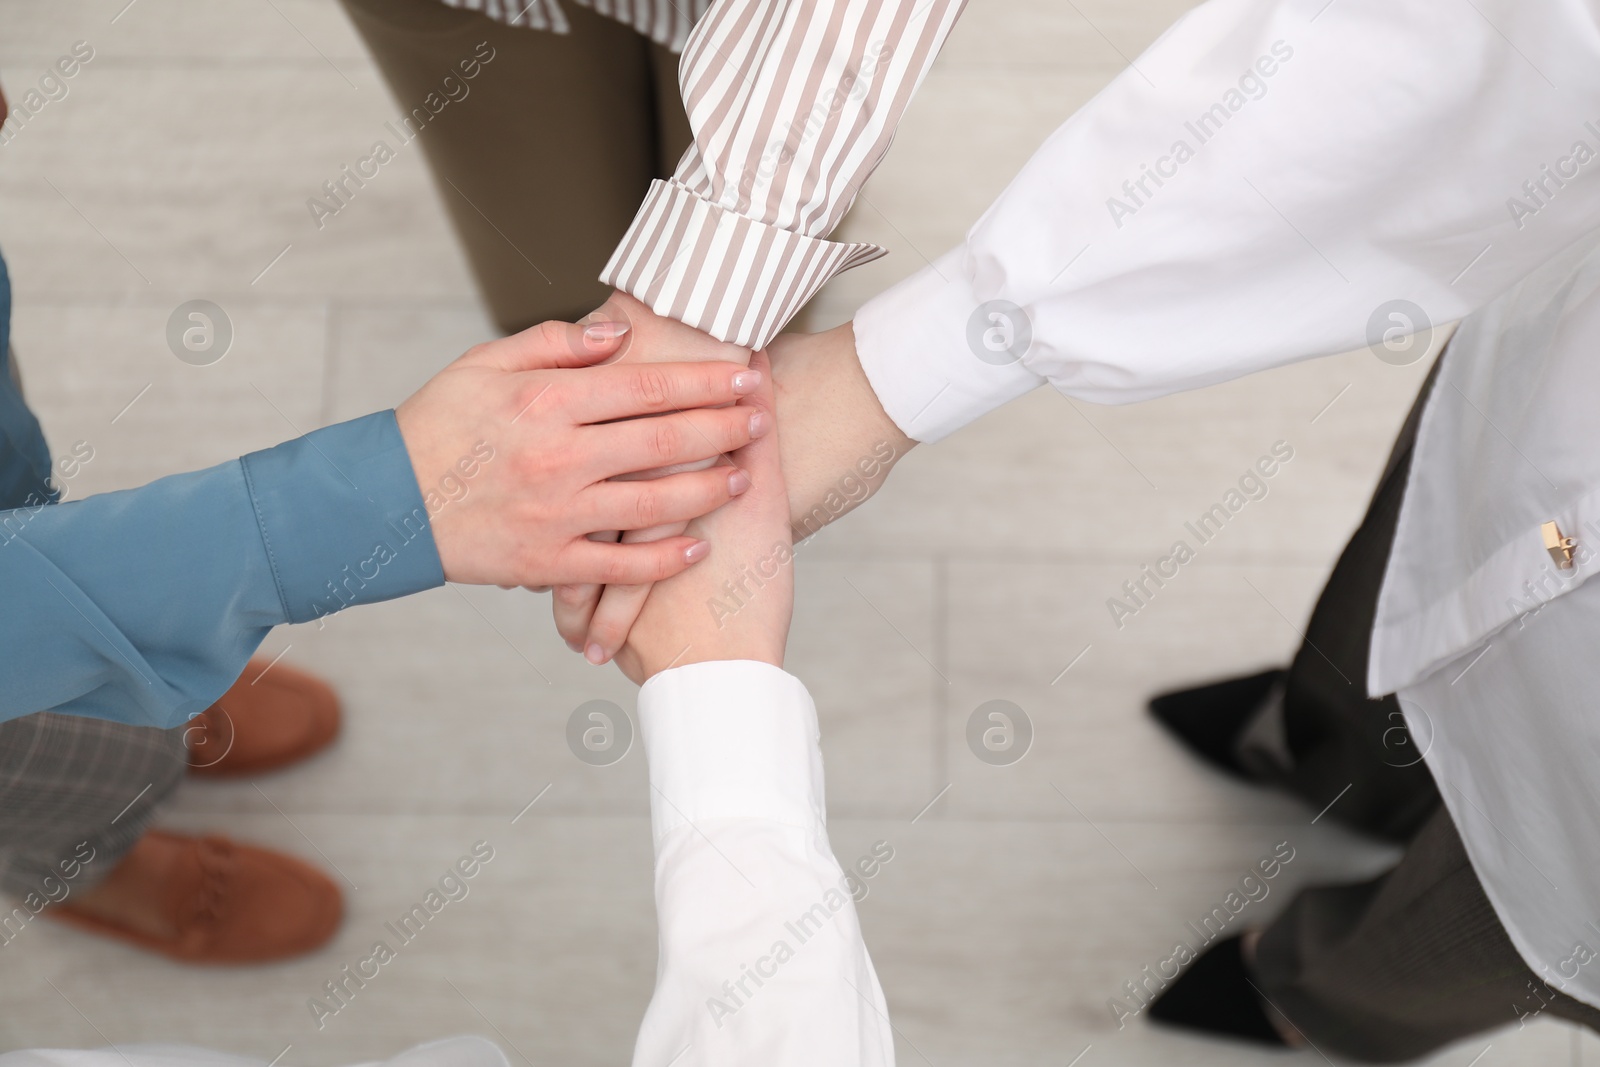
1265, 184
761, 956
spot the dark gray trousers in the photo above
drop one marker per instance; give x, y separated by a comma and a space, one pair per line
1391, 969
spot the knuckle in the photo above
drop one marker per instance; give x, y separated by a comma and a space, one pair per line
552, 334
530, 466
665, 439
647, 507
571, 597
651, 387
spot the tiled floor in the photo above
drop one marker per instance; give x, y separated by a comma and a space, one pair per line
1020, 897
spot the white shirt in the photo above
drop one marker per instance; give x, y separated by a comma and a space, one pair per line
761, 957
1356, 153
1377, 164
1490, 643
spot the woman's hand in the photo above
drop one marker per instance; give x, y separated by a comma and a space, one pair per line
516, 443
738, 604
595, 619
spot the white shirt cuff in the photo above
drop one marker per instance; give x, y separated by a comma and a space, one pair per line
937, 356
731, 739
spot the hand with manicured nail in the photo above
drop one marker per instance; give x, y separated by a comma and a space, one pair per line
516, 446
595, 619
738, 604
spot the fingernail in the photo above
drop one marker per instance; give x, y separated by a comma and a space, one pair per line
746, 382
600, 332
738, 482
576, 646
758, 424
697, 551
595, 654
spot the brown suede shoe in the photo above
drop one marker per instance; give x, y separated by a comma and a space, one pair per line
264, 722
219, 902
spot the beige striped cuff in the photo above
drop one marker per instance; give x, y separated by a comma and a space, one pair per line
737, 279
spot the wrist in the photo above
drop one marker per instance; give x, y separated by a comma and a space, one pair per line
755, 652
839, 443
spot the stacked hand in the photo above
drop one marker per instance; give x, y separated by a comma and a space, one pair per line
595, 617
737, 605
837, 449
530, 428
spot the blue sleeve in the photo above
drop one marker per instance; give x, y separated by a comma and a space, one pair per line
143, 606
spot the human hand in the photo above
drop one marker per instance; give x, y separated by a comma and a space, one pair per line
592, 618
738, 605
514, 443
839, 450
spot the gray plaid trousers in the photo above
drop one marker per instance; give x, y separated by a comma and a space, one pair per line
68, 781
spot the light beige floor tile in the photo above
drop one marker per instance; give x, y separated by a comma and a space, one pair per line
1003, 942
1102, 36
1052, 476
459, 700
153, 31
1042, 638
387, 350
104, 374
456, 700
991, 940
995, 943
554, 944
864, 639
113, 196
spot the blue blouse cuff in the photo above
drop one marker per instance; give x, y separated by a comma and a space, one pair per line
342, 518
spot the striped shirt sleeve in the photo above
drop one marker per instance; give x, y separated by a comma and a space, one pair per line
666, 22
793, 103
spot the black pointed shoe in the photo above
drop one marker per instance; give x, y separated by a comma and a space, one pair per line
1215, 996
1208, 719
